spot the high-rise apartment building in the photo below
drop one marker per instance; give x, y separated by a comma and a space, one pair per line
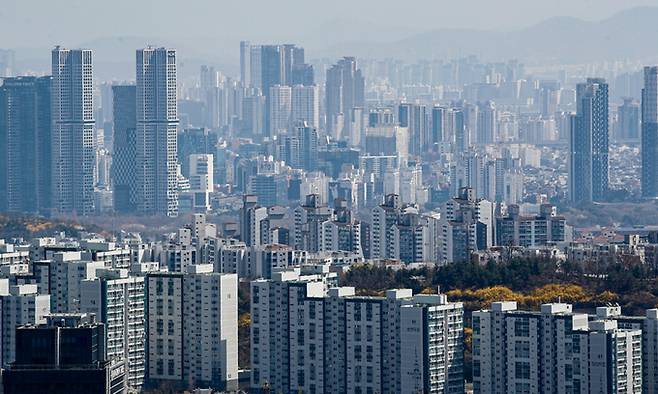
192, 322
66, 273
255, 67
546, 228
414, 117
280, 105
305, 105
125, 140
310, 339
554, 350
650, 133
628, 121
588, 145
72, 134
245, 63
201, 181
25, 145
345, 90
251, 216
157, 124
487, 123
466, 225
306, 231
117, 300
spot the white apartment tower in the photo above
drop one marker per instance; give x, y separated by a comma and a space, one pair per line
66, 273
72, 114
192, 324
117, 300
157, 123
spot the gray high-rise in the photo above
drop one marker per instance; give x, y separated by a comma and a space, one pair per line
25, 145
245, 63
72, 147
345, 89
650, 133
123, 160
157, 123
588, 144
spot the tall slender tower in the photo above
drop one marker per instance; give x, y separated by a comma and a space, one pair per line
650, 133
72, 115
157, 122
245, 63
123, 160
588, 147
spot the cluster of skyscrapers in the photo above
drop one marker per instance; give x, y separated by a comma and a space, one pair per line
49, 149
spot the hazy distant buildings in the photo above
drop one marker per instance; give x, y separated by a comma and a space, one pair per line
306, 105
345, 89
588, 145
7, 63
157, 123
72, 131
486, 123
414, 117
25, 145
245, 63
280, 102
650, 133
628, 121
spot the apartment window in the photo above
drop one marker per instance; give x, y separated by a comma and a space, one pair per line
522, 370
522, 388
357, 311
357, 353
522, 349
522, 327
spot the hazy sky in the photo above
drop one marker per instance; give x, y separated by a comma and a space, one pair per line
42, 23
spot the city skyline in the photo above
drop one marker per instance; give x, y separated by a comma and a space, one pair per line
464, 206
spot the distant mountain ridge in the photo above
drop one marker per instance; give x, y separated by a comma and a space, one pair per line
627, 34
